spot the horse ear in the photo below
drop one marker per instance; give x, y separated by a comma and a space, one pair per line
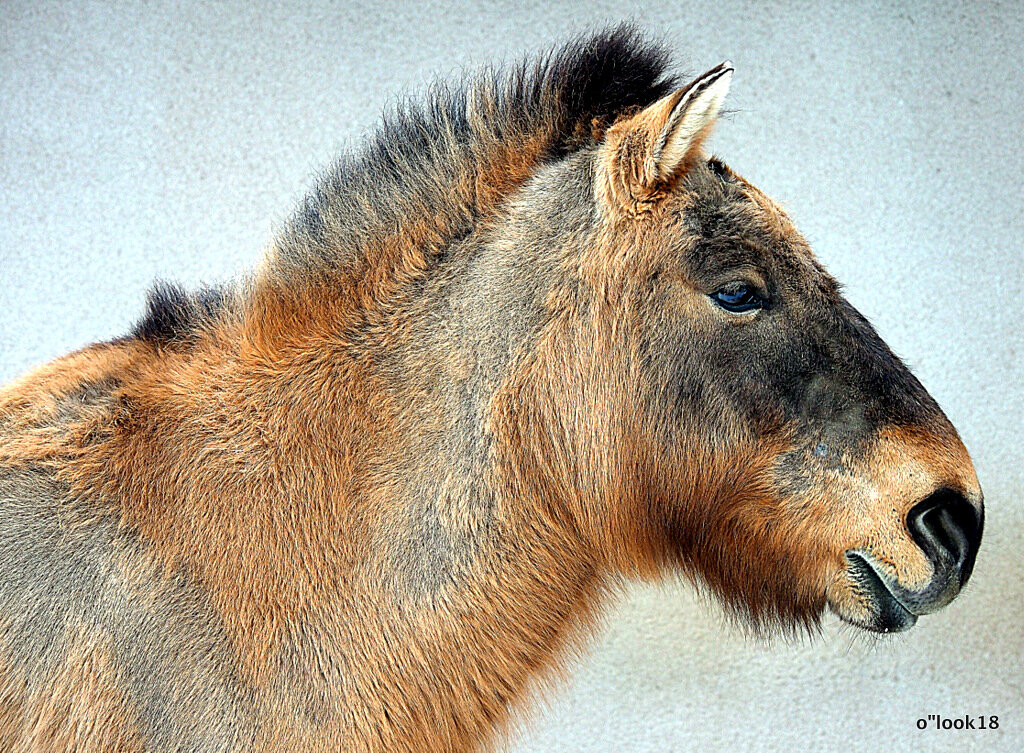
659, 143
689, 120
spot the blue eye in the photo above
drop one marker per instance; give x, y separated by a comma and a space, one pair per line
738, 298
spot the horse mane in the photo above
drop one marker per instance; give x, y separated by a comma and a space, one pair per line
436, 169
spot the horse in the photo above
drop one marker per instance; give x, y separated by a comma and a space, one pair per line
529, 343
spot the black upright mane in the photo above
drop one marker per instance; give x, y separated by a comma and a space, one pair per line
424, 150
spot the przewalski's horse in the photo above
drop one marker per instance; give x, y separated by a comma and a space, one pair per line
529, 342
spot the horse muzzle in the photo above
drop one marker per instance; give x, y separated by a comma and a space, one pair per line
947, 527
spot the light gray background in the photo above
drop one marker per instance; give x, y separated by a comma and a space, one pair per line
166, 140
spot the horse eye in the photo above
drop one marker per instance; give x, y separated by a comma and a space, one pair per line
738, 298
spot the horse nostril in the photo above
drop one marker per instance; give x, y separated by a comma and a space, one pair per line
948, 528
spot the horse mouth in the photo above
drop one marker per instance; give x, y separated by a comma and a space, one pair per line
887, 613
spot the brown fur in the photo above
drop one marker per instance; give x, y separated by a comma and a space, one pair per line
81, 708
390, 479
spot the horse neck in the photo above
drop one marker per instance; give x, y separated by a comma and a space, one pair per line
417, 528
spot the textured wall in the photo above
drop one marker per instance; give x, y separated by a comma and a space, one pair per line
166, 139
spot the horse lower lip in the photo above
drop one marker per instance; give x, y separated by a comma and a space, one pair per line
891, 613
